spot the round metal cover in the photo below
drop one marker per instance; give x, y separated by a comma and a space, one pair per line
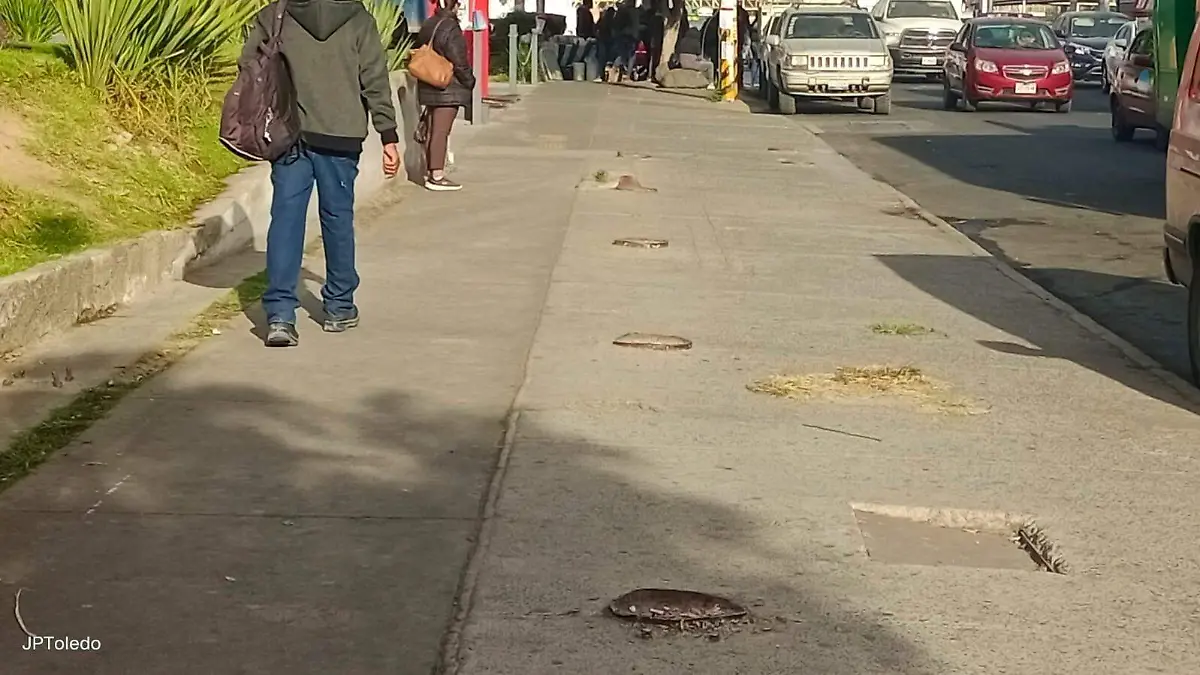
641, 242
653, 341
665, 605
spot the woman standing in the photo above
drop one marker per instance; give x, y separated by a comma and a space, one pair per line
443, 34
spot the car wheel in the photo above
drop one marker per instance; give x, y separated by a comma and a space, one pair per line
949, 98
1121, 132
1162, 139
883, 104
1063, 107
1193, 323
864, 103
772, 96
969, 104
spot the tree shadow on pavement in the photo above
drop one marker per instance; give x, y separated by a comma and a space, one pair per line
220, 529
942, 278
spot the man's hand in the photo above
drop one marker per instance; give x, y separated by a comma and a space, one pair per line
391, 160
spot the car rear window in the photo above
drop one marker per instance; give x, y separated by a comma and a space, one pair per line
923, 9
1015, 36
832, 26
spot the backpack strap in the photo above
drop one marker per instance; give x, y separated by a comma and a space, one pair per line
276, 35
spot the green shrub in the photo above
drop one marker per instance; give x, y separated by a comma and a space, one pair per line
387, 15
29, 21
117, 45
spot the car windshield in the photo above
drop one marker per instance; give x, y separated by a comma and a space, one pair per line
923, 9
1015, 36
1096, 26
844, 25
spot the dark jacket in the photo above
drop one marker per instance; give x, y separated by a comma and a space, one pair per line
335, 53
442, 32
585, 23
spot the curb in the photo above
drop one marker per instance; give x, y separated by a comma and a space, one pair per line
1137, 356
91, 284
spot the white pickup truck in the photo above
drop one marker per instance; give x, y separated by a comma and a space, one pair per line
918, 33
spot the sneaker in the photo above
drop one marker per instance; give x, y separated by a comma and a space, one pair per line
341, 324
282, 334
442, 184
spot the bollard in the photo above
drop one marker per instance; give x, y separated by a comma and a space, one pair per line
513, 50
478, 109
533, 57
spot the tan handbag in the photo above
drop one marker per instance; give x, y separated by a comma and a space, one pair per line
429, 66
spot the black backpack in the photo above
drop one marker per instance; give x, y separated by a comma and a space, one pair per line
260, 119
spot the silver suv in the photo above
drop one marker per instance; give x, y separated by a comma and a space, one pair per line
828, 51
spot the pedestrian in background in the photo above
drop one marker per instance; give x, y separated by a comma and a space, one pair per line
585, 22
335, 55
442, 33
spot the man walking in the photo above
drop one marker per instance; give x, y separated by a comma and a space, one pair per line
335, 54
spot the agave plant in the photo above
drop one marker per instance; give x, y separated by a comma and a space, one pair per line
29, 21
387, 15
116, 43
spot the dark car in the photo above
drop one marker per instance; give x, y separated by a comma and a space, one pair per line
1132, 102
1084, 36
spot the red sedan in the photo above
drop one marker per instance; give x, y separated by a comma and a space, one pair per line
1007, 59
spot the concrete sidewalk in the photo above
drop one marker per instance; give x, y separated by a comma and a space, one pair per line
313, 510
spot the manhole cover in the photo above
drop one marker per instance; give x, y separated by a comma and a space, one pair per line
641, 242
653, 341
664, 605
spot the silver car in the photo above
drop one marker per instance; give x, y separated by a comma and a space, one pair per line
828, 51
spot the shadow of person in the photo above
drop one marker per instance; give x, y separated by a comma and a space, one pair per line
250, 299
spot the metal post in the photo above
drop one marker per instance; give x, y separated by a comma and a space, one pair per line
513, 47
478, 110
729, 53
533, 57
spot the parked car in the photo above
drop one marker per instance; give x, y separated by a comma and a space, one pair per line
1085, 35
1132, 103
831, 52
1005, 59
917, 33
1181, 234
1114, 53
772, 27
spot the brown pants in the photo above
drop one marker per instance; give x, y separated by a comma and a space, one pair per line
441, 119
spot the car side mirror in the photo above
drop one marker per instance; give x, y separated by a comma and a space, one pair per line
1120, 42
958, 47
1142, 60
773, 40
1062, 34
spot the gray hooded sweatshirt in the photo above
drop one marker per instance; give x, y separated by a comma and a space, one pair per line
336, 57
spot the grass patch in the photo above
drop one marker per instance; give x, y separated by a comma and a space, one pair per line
34, 446
865, 382
600, 176
120, 168
903, 329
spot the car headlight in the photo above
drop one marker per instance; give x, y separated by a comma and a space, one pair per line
879, 61
798, 60
891, 37
985, 66
1060, 68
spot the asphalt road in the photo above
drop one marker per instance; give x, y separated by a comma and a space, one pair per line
1051, 193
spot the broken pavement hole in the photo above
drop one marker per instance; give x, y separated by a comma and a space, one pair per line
653, 341
903, 211
902, 535
627, 183
640, 242
666, 605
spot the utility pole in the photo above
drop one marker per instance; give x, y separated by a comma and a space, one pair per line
728, 68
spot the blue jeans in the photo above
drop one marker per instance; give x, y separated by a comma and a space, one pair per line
292, 180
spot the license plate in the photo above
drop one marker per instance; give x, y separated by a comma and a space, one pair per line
837, 86
1026, 87
929, 60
